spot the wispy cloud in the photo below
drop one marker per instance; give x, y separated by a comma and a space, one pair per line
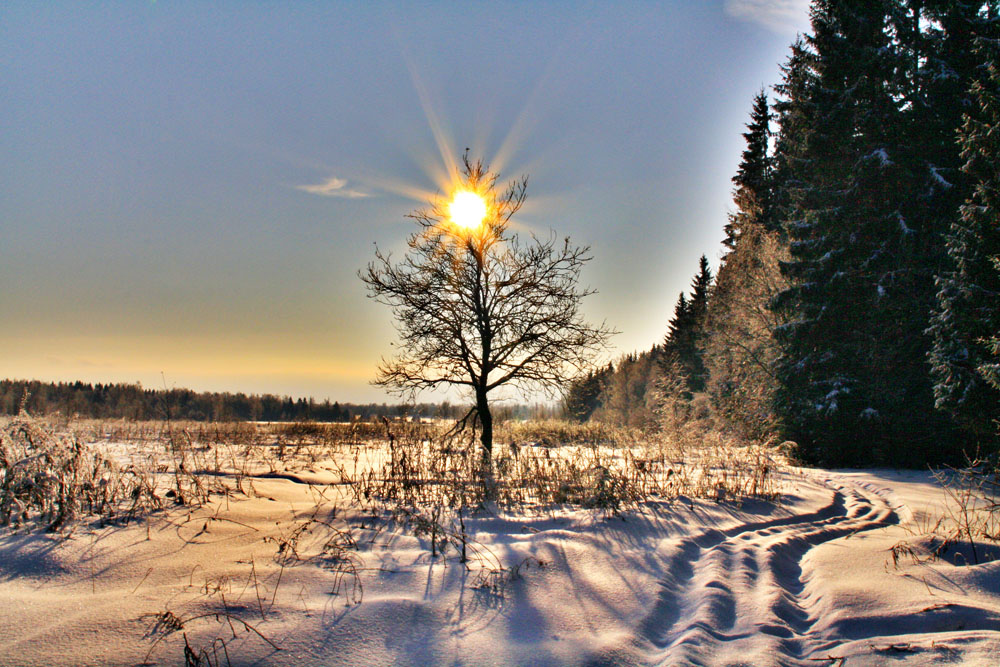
781, 16
333, 187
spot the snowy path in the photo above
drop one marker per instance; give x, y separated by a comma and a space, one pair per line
745, 586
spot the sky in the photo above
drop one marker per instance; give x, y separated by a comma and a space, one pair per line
188, 189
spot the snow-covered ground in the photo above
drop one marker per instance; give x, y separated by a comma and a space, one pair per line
811, 581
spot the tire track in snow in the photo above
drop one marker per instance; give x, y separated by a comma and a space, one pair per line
744, 587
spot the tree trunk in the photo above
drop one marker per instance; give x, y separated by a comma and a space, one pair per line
486, 438
486, 420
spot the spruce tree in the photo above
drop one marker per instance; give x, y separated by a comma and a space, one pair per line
683, 343
966, 324
938, 41
793, 113
850, 390
700, 286
678, 323
584, 394
753, 180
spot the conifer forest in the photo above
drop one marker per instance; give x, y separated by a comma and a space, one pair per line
856, 309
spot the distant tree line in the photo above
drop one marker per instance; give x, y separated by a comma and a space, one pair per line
132, 401
856, 310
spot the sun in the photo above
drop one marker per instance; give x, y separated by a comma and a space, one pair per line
467, 209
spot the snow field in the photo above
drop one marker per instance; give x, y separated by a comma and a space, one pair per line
298, 571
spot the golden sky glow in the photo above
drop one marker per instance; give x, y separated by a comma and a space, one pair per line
240, 364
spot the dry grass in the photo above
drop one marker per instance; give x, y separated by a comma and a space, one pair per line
53, 472
967, 531
47, 474
384, 475
49, 479
973, 506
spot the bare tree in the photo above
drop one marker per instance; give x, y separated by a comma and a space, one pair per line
478, 308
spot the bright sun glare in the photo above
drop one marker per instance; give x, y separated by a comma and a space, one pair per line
467, 209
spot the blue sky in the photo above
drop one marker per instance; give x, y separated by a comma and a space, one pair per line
187, 190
